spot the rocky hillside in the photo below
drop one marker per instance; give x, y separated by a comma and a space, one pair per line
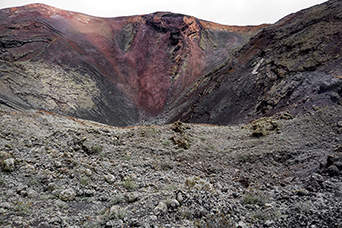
274, 172
290, 65
163, 67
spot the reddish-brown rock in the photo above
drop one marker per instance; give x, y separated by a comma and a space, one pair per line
163, 66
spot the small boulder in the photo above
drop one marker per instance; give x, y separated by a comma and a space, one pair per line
332, 170
160, 209
9, 164
269, 223
109, 178
317, 177
133, 197
67, 195
115, 223
301, 192
173, 204
22, 190
180, 197
240, 225
88, 172
32, 193
116, 212
58, 164
339, 124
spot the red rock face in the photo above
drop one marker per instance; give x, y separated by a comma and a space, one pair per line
159, 67
153, 60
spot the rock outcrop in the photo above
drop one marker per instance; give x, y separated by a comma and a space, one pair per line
163, 67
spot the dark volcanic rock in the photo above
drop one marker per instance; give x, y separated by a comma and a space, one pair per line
163, 67
292, 64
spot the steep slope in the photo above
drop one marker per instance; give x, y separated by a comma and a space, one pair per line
121, 71
291, 65
163, 67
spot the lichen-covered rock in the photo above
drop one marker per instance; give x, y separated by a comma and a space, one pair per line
133, 197
180, 197
87, 172
9, 164
263, 126
115, 223
67, 195
58, 164
160, 209
110, 178
173, 203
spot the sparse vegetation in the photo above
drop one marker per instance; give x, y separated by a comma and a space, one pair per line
243, 158
181, 141
166, 143
170, 187
254, 198
62, 206
302, 207
95, 149
85, 181
207, 189
166, 167
102, 154
210, 147
34, 181
117, 199
115, 212
47, 197
127, 158
217, 220
129, 183
22, 208
191, 182
262, 216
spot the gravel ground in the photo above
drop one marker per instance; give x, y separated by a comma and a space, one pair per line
278, 171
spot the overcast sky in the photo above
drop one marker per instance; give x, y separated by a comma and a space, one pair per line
229, 12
